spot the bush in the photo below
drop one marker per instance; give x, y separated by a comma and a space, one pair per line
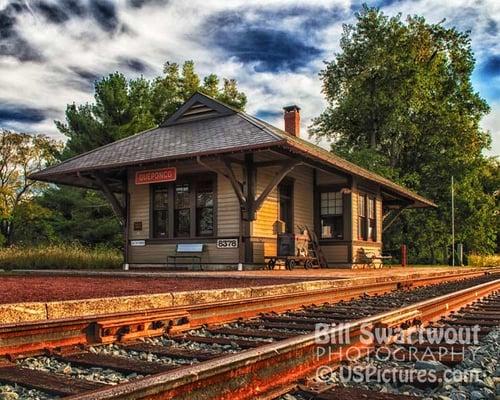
484, 261
59, 257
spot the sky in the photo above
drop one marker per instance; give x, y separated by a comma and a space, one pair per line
51, 52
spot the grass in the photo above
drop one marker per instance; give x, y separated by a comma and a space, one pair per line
59, 257
484, 261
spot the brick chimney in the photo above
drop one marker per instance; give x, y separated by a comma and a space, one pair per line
292, 120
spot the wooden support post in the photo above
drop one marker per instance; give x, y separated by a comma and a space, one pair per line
118, 209
234, 182
126, 227
248, 213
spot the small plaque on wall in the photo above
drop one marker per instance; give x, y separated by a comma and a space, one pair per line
138, 226
227, 243
137, 243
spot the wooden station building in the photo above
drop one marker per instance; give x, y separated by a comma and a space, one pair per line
219, 177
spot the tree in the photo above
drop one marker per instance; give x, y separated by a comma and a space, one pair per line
125, 107
401, 102
21, 154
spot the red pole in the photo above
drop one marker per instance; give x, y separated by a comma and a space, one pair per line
403, 255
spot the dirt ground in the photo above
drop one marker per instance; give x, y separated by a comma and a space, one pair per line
15, 289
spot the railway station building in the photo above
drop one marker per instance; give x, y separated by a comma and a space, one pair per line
226, 185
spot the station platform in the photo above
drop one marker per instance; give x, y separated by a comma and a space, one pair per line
32, 295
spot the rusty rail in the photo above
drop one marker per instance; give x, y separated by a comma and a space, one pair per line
41, 336
256, 372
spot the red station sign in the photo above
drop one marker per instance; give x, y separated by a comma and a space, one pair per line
155, 176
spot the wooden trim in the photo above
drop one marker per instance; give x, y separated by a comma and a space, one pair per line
271, 163
192, 179
250, 178
118, 208
333, 242
280, 175
332, 187
234, 182
367, 244
288, 181
315, 205
198, 239
126, 233
345, 215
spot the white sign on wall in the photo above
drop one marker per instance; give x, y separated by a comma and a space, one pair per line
137, 243
227, 243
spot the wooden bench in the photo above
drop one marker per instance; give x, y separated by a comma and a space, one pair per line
372, 259
192, 251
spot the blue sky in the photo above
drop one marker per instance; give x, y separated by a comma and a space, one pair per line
52, 51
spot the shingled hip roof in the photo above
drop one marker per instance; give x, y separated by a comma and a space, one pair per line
204, 126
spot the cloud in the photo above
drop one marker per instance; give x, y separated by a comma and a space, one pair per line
492, 123
20, 113
52, 52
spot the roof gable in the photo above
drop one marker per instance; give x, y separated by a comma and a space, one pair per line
198, 107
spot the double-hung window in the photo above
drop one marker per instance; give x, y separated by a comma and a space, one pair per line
331, 215
372, 222
183, 209
160, 211
362, 222
205, 208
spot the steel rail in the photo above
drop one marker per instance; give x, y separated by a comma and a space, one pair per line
253, 373
32, 338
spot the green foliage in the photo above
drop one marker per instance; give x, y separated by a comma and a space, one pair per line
81, 215
125, 107
34, 225
69, 256
484, 261
21, 154
401, 102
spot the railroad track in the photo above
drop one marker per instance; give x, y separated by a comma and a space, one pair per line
242, 359
421, 364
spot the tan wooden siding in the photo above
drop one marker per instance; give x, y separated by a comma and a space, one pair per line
228, 209
355, 201
157, 254
139, 209
303, 201
379, 218
327, 178
268, 213
336, 254
303, 208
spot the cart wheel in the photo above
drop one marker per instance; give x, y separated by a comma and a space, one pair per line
308, 264
271, 264
290, 264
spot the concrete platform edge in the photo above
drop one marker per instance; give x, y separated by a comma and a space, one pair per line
28, 312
